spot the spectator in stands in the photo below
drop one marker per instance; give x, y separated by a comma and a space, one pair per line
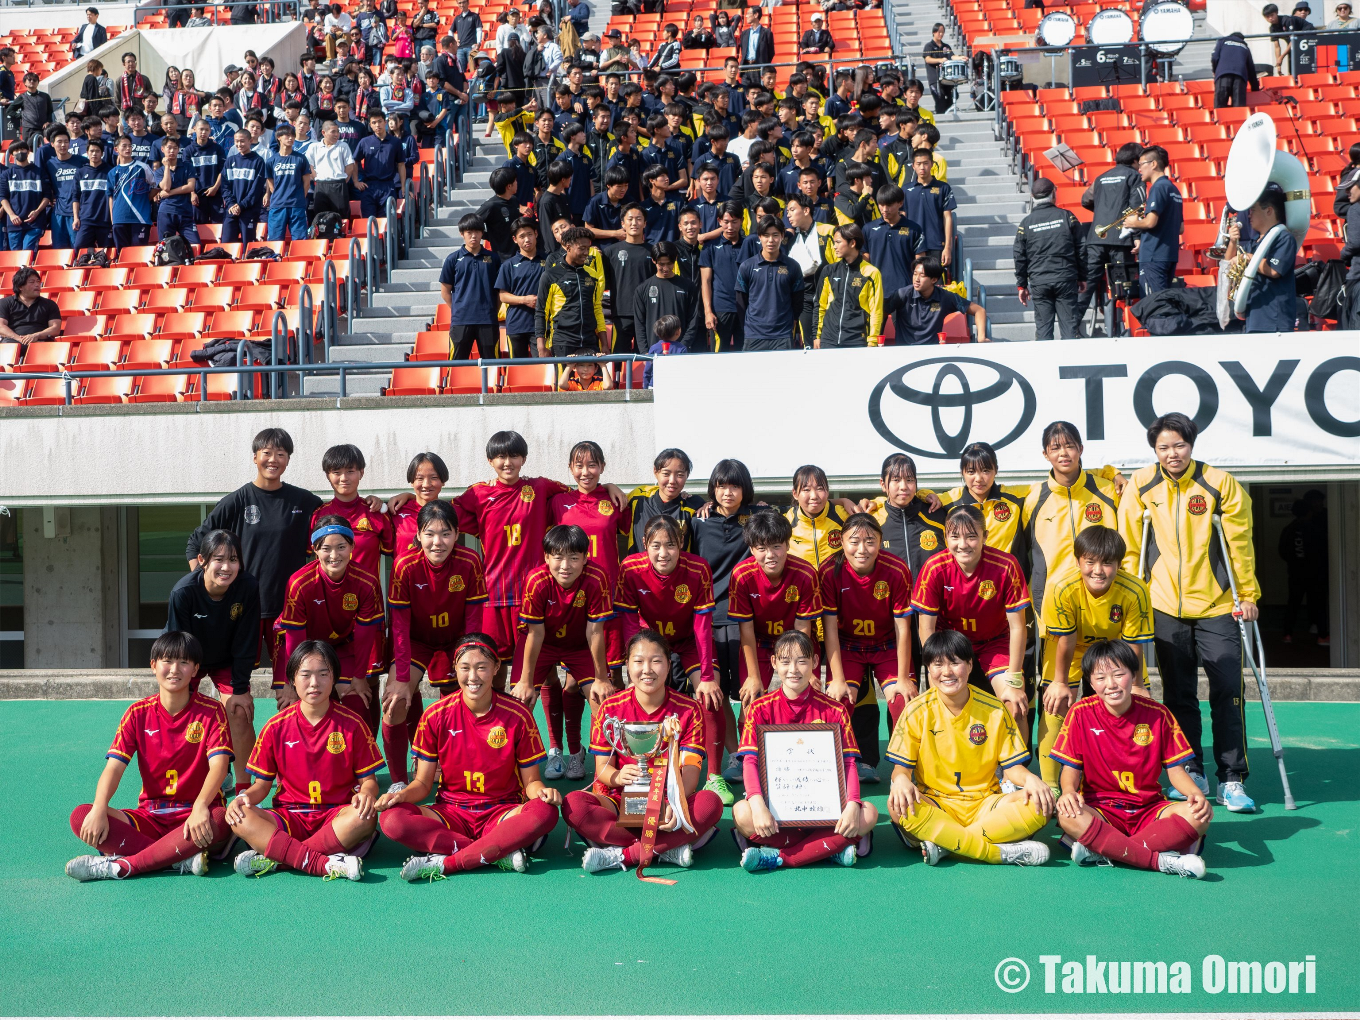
817, 39
243, 191
7, 62
579, 12
1110, 258
1050, 263
467, 30
667, 56
1343, 22
932, 206
699, 37
935, 53
27, 315
288, 176
1282, 25
174, 200
615, 57
36, 110
1272, 302
769, 292
425, 25
1233, 68
919, 310
333, 171
131, 183
584, 375
1159, 246
207, 158
96, 89
382, 167
335, 26
176, 14
398, 97
467, 284
755, 45
60, 169
185, 102
511, 27
91, 36
245, 14
23, 200
90, 214
198, 18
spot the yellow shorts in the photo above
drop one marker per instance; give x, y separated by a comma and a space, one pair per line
964, 810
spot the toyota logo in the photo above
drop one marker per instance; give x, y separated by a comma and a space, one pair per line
956, 390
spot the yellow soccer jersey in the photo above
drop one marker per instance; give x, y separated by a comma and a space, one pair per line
1124, 611
956, 756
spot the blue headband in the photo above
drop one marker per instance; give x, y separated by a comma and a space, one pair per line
332, 529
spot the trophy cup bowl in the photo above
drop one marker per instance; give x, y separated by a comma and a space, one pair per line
639, 740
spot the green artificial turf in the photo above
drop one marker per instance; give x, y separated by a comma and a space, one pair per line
887, 936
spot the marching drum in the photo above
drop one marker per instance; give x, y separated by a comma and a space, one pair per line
1010, 69
1057, 29
1109, 27
954, 72
1166, 27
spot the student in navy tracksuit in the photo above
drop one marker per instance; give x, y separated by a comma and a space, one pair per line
517, 282
718, 264
467, 284
175, 208
90, 211
131, 183
207, 159
382, 167
60, 169
289, 176
769, 292
242, 191
23, 198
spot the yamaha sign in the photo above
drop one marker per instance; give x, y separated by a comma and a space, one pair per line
1259, 401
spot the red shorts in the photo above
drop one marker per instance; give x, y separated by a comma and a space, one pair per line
221, 677
381, 655
879, 664
614, 643
302, 820
994, 657
500, 624
764, 660
436, 662
471, 820
576, 661
156, 820
1129, 821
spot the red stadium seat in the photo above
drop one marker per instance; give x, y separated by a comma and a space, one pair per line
211, 299
529, 379
413, 382
285, 272
182, 325
9, 355
136, 255
15, 259
431, 346
307, 250
162, 389
83, 327
96, 356
53, 258
107, 390
201, 275
46, 356
113, 278
134, 326
232, 324
111, 302
147, 277
150, 353
48, 392
467, 379
955, 329
258, 298
239, 274
56, 281
166, 300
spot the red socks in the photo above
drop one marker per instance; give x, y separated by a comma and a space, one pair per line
799, 847
523, 829
1141, 849
123, 839
308, 856
715, 736
896, 703
405, 824
396, 739
563, 706
173, 847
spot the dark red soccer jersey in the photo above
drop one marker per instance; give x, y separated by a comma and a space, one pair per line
778, 709
173, 751
773, 607
438, 597
623, 707
330, 610
372, 531
315, 765
1121, 757
603, 522
479, 756
565, 611
977, 605
403, 524
666, 604
511, 521
866, 606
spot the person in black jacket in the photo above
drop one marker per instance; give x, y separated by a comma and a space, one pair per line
755, 45
219, 603
1233, 69
1050, 263
1108, 196
666, 294
817, 39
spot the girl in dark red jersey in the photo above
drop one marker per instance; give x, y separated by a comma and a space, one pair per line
491, 805
427, 474
325, 760
436, 594
594, 813
183, 747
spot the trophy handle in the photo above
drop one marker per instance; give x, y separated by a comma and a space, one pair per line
613, 732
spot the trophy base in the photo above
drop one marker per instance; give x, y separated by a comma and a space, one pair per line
633, 806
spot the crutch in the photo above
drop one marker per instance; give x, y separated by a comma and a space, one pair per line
1142, 575
1256, 659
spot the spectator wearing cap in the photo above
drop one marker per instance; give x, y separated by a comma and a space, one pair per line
1343, 22
817, 39
1233, 69
511, 27
1281, 25
616, 54
1050, 263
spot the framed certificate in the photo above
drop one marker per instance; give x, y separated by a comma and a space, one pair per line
802, 773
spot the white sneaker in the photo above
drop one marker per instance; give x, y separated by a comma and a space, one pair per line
1028, 853
1184, 865
517, 861
554, 767
196, 865
428, 867
253, 865
1084, 855
681, 856
344, 866
931, 852
93, 867
602, 858
396, 788
576, 764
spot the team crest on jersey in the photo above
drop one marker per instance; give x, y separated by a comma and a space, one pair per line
456, 583
880, 590
580, 599
986, 590
606, 507
193, 732
363, 525
335, 743
1094, 513
1116, 613
1197, 504
1001, 511
833, 539
1142, 734
350, 602
791, 593
977, 734
928, 541
497, 738
682, 594
526, 493
236, 610
252, 514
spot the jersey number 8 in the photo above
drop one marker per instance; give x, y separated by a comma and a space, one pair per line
314, 792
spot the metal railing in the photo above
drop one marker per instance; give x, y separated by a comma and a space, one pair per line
270, 11
976, 291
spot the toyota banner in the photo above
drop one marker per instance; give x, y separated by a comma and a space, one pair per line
1259, 401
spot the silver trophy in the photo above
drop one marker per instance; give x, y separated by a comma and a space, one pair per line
639, 740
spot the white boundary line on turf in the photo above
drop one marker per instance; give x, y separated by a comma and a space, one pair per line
1038, 1015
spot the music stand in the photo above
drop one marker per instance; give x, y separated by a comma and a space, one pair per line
1062, 157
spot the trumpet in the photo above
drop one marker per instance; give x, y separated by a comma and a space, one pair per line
1130, 211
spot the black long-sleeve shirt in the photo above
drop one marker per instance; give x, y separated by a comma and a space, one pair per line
228, 628
721, 541
275, 529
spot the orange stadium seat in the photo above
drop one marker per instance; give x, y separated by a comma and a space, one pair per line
107, 390
413, 382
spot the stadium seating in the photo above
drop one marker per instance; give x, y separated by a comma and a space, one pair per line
988, 23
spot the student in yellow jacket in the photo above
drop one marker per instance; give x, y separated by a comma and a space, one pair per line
1191, 596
